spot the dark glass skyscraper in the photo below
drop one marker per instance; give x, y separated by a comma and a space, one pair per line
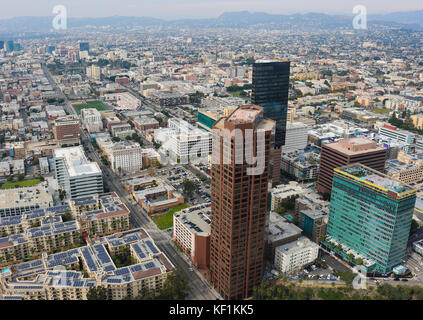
10, 46
84, 46
270, 91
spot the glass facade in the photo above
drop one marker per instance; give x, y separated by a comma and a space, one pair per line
206, 120
372, 222
270, 90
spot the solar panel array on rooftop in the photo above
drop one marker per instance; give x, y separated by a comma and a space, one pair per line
152, 247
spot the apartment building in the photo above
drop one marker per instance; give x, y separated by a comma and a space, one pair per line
303, 166
407, 168
100, 215
125, 157
43, 280
191, 231
292, 256
314, 223
279, 232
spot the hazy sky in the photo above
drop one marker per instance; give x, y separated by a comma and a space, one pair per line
175, 9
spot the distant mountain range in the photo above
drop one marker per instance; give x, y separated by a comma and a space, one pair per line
244, 19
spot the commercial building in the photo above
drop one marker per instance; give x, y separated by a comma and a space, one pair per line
75, 174
91, 119
418, 247
15, 202
239, 202
270, 89
346, 152
153, 195
66, 130
370, 217
334, 131
191, 231
392, 133
43, 279
184, 142
84, 46
296, 137
292, 256
10, 46
123, 101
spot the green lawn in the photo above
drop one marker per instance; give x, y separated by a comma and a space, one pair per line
381, 110
90, 104
15, 184
165, 221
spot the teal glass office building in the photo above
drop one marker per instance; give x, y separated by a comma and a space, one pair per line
370, 216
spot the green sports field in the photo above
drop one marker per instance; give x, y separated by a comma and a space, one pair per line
89, 105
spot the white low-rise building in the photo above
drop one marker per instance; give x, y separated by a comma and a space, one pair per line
91, 119
292, 256
127, 156
184, 142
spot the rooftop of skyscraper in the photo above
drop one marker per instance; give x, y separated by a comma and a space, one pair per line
374, 178
246, 114
354, 146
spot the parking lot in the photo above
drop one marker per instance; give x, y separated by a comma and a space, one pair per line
175, 176
315, 271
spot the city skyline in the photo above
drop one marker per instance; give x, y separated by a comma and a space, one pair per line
190, 9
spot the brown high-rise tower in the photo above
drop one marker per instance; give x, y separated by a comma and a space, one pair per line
348, 151
239, 201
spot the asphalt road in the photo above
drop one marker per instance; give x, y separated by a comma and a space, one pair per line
200, 289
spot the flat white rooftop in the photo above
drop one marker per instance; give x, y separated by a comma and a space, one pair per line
76, 161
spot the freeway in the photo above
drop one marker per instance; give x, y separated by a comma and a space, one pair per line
200, 289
